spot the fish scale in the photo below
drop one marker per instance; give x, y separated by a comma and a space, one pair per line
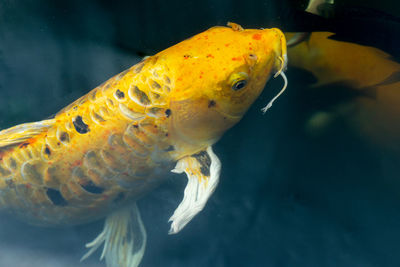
107, 163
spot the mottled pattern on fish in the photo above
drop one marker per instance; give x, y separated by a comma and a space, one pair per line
111, 146
106, 148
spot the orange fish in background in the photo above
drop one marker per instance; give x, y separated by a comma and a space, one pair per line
370, 75
101, 153
358, 83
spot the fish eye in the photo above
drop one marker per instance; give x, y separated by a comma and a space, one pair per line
238, 80
239, 85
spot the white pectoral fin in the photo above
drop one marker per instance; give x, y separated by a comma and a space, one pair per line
202, 170
124, 238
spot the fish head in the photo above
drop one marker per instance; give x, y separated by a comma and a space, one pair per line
217, 76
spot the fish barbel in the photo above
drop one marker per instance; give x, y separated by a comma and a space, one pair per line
98, 155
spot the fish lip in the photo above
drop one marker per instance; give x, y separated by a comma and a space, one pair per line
285, 62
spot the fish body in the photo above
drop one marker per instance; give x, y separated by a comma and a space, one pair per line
337, 61
367, 78
98, 155
106, 148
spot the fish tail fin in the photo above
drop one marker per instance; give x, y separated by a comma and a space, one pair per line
124, 238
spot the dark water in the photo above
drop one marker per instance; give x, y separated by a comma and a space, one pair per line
286, 197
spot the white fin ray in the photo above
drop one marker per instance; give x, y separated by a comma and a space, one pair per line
197, 191
124, 238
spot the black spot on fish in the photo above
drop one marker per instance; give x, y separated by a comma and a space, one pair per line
64, 137
205, 161
47, 151
170, 148
142, 97
168, 113
119, 198
92, 188
23, 145
80, 126
119, 94
186, 56
211, 104
55, 197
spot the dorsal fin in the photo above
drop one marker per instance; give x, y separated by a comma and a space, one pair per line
20, 133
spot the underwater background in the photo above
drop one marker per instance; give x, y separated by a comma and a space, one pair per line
290, 194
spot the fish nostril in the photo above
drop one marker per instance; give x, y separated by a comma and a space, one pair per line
253, 57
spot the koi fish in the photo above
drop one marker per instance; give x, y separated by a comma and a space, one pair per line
364, 80
104, 151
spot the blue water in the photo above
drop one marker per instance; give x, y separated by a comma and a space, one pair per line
286, 197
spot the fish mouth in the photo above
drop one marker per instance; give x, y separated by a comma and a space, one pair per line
283, 55
280, 51
285, 61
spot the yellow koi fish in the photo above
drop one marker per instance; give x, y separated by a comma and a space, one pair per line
371, 77
101, 153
